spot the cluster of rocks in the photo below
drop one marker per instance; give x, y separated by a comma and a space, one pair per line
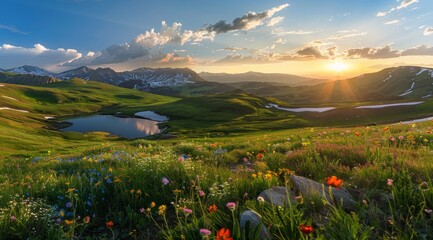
301, 186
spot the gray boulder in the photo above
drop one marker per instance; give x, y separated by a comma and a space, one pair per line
254, 220
278, 196
308, 188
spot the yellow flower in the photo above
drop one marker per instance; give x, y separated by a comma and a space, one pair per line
70, 190
69, 222
161, 209
152, 204
138, 192
254, 175
268, 176
110, 170
132, 190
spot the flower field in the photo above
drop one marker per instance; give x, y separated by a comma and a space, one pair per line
197, 188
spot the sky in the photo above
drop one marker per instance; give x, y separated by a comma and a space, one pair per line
316, 38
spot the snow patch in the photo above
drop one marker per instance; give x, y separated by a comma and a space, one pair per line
320, 110
390, 105
417, 120
408, 91
11, 98
13, 109
48, 117
426, 96
405, 93
421, 71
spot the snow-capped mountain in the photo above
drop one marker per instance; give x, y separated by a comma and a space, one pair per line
26, 69
141, 78
80, 72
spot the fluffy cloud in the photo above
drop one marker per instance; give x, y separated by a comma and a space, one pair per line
247, 22
373, 53
428, 31
241, 59
144, 44
12, 56
403, 4
421, 50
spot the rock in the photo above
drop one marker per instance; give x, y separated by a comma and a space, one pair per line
308, 188
278, 196
255, 219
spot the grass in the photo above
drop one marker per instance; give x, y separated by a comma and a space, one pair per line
56, 185
163, 189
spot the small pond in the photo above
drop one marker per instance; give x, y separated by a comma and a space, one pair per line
123, 127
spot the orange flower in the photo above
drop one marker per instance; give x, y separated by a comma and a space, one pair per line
223, 234
212, 208
334, 181
357, 134
109, 224
306, 229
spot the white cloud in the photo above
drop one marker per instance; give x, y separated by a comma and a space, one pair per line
281, 32
428, 31
12, 29
39, 55
403, 4
274, 21
392, 22
347, 35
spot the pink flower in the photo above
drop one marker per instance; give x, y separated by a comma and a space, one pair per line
245, 159
205, 232
392, 139
187, 211
231, 205
201, 193
13, 218
142, 210
180, 159
428, 211
165, 181
390, 182
400, 138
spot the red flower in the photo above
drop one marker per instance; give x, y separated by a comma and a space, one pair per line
109, 224
223, 234
306, 229
334, 181
212, 208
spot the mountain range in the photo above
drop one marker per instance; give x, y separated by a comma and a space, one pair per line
272, 78
398, 83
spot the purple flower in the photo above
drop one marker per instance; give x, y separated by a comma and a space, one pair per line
205, 232
68, 204
165, 181
231, 205
142, 210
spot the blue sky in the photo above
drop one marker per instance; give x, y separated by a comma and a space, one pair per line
270, 36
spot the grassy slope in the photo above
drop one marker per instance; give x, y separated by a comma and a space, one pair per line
29, 132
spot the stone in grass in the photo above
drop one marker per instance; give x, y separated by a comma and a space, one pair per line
254, 220
278, 196
308, 188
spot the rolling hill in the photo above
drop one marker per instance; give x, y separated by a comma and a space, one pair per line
257, 77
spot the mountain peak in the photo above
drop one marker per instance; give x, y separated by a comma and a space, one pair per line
33, 70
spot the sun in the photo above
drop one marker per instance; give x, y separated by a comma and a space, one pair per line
338, 66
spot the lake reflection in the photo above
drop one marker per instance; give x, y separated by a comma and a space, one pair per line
124, 127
